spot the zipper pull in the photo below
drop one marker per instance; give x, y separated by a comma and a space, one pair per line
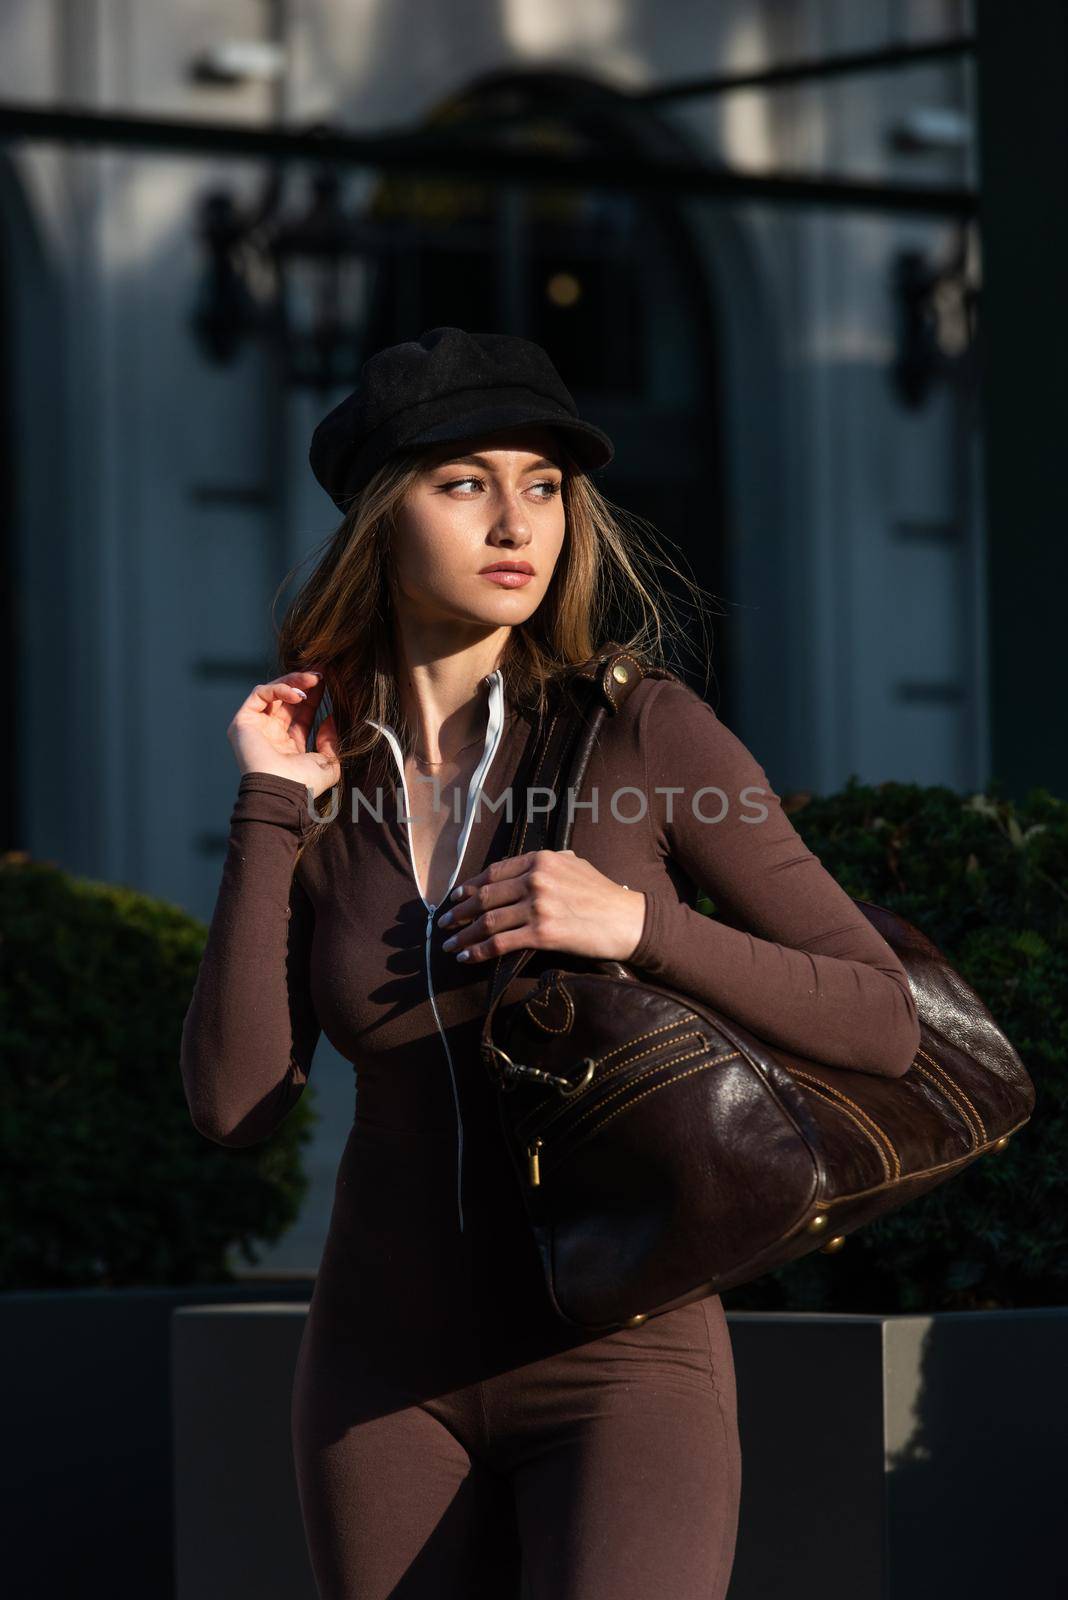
534, 1172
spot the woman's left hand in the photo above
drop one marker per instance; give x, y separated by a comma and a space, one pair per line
549, 900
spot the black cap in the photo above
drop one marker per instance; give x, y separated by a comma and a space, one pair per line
445, 385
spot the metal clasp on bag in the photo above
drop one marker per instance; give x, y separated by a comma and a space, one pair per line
513, 1072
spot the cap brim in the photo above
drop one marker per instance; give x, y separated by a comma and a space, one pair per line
590, 446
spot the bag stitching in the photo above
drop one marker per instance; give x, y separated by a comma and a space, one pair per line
872, 1140
543, 1000
947, 1094
656, 1087
523, 1127
938, 1067
659, 1066
840, 1094
651, 1033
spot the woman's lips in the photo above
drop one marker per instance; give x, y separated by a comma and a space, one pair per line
508, 580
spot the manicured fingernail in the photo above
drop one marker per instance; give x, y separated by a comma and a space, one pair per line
303, 696
447, 918
462, 955
449, 943
457, 894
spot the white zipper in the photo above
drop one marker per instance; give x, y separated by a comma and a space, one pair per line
494, 732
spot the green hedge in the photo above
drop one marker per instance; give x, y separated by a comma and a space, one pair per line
108, 1182
987, 880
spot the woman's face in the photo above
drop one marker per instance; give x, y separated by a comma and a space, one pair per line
491, 498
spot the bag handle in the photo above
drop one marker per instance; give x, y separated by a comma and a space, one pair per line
591, 691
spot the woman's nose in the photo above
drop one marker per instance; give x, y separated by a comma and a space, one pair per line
513, 526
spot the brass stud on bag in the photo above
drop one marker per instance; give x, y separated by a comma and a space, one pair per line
999, 1144
636, 1321
833, 1244
621, 672
818, 1223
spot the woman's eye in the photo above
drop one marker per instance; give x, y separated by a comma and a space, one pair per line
545, 483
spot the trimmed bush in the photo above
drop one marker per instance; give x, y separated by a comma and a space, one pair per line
109, 1183
987, 880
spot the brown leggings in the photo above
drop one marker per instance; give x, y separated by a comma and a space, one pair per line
607, 1469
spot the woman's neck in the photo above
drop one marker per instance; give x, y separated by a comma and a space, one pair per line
444, 698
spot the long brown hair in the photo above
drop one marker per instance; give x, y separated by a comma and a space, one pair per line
606, 585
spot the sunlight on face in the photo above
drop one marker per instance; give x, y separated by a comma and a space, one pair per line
488, 498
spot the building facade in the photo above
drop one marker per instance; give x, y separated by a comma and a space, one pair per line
786, 374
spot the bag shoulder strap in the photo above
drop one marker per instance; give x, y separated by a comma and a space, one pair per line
563, 744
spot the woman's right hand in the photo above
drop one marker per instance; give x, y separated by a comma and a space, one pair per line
269, 732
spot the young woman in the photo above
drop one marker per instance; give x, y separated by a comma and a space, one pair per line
447, 1426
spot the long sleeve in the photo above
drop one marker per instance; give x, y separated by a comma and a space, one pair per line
250, 1031
790, 956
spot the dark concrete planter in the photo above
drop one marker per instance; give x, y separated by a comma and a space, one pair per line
884, 1457
902, 1457
87, 1476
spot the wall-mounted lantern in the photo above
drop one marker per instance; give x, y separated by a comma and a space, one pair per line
937, 314
294, 275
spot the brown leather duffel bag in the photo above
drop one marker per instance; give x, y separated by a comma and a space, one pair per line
665, 1152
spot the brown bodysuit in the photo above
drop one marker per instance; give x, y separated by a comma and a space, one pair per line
443, 1418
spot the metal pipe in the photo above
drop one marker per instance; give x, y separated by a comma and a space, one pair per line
429, 152
816, 69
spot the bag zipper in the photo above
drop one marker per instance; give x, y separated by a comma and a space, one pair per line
536, 1145
494, 734
533, 1162
665, 1039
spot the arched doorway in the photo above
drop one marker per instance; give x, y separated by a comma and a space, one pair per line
614, 285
